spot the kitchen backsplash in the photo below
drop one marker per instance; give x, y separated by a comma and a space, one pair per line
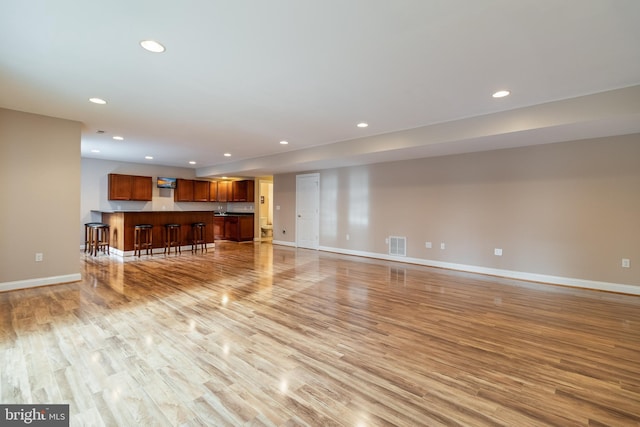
239, 207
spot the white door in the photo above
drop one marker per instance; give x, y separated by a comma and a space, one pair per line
307, 211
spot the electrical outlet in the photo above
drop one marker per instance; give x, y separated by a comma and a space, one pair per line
39, 256
497, 252
626, 263
427, 245
386, 241
348, 237
442, 245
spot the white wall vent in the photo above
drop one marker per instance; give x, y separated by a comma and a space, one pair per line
397, 246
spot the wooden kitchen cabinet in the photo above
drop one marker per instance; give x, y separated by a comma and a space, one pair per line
183, 191
238, 228
193, 190
224, 188
119, 187
245, 228
130, 187
141, 187
200, 191
218, 227
230, 227
213, 191
242, 191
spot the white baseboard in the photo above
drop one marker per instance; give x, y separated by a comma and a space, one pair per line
283, 243
520, 275
40, 281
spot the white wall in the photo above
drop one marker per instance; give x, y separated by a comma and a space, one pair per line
568, 210
40, 175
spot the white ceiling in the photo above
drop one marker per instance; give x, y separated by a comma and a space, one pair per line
239, 76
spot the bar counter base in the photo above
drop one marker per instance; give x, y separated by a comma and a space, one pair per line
122, 224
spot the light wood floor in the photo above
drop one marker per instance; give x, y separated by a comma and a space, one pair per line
254, 334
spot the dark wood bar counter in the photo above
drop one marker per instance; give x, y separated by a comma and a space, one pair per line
123, 222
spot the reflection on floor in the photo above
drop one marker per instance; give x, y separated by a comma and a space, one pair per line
260, 334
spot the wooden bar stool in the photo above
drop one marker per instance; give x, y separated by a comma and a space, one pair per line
199, 232
88, 236
172, 238
143, 239
101, 237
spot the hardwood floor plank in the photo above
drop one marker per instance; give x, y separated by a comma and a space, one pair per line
91, 417
14, 376
208, 414
255, 334
171, 406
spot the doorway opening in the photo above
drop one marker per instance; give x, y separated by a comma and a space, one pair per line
265, 211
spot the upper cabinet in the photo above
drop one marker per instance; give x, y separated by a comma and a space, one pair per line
224, 190
141, 187
190, 190
119, 187
233, 191
200, 191
242, 191
183, 191
213, 191
130, 187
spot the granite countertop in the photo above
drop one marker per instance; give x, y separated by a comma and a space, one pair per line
233, 214
165, 211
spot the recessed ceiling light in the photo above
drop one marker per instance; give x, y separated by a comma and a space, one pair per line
227, 154
152, 46
284, 142
192, 162
363, 125
98, 101
148, 157
501, 94
95, 151
118, 138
